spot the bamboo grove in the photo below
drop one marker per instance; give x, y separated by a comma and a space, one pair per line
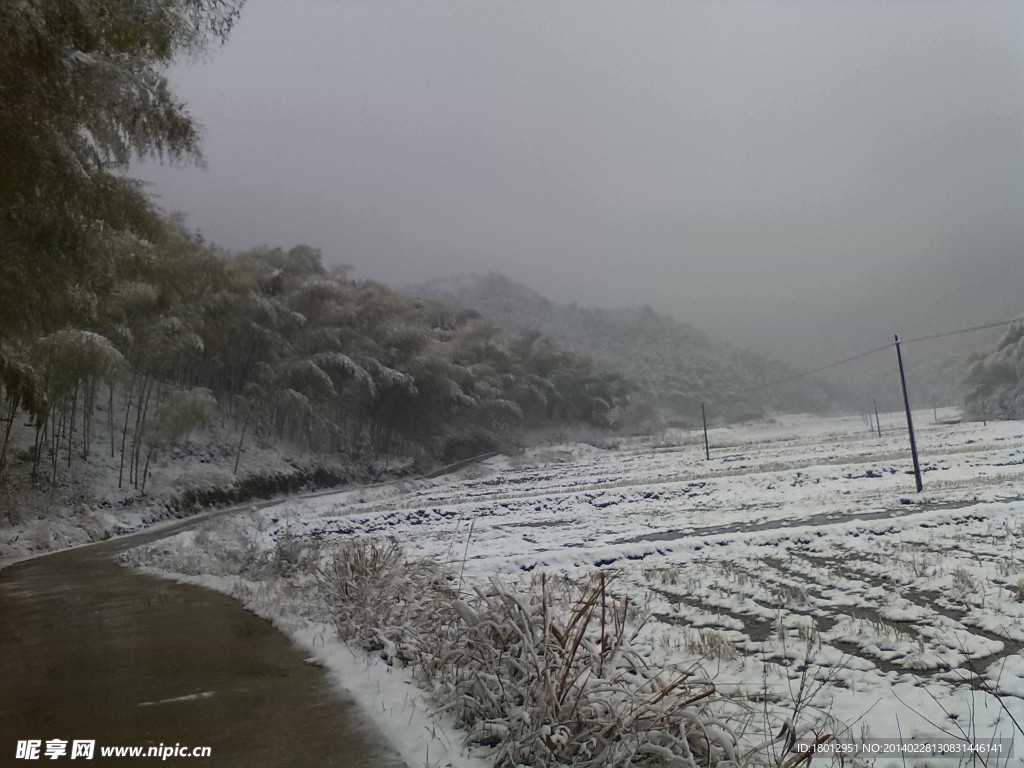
109, 307
275, 347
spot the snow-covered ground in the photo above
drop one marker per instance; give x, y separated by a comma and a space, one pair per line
79, 502
797, 564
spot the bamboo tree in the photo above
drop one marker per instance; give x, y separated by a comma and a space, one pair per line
124, 428
24, 390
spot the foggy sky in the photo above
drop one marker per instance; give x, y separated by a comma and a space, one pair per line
781, 174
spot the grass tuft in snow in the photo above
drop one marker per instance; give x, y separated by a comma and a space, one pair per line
550, 674
392, 606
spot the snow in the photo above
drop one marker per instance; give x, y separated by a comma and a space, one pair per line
797, 559
176, 699
389, 699
85, 504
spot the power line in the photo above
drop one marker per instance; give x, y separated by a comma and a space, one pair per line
882, 348
903, 383
963, 330
813, 371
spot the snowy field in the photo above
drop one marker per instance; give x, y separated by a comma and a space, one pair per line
797, 567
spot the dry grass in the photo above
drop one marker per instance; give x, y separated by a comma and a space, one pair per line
550, 675
386, 604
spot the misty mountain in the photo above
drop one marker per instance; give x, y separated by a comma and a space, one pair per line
676, 364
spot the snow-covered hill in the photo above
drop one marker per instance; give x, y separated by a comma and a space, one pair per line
677, 364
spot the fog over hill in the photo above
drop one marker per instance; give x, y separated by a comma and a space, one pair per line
675, 363
803, 179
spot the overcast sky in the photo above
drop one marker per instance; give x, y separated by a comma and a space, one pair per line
781, 174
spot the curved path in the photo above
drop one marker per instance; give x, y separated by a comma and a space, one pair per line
92, 651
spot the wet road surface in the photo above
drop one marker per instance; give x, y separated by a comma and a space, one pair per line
93, 651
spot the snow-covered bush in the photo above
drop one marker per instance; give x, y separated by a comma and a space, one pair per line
995, 380
384, 602
550, 675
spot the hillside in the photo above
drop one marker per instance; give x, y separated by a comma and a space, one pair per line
202, 378
676, 364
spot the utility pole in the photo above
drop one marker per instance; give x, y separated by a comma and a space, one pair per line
910, 421
704, 418
878, 424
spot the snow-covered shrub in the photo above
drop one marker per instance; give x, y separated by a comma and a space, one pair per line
385, 603
293, 555
995, 380
225, 546
552, 677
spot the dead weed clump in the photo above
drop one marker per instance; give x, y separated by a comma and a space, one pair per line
549, 676
385, 603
